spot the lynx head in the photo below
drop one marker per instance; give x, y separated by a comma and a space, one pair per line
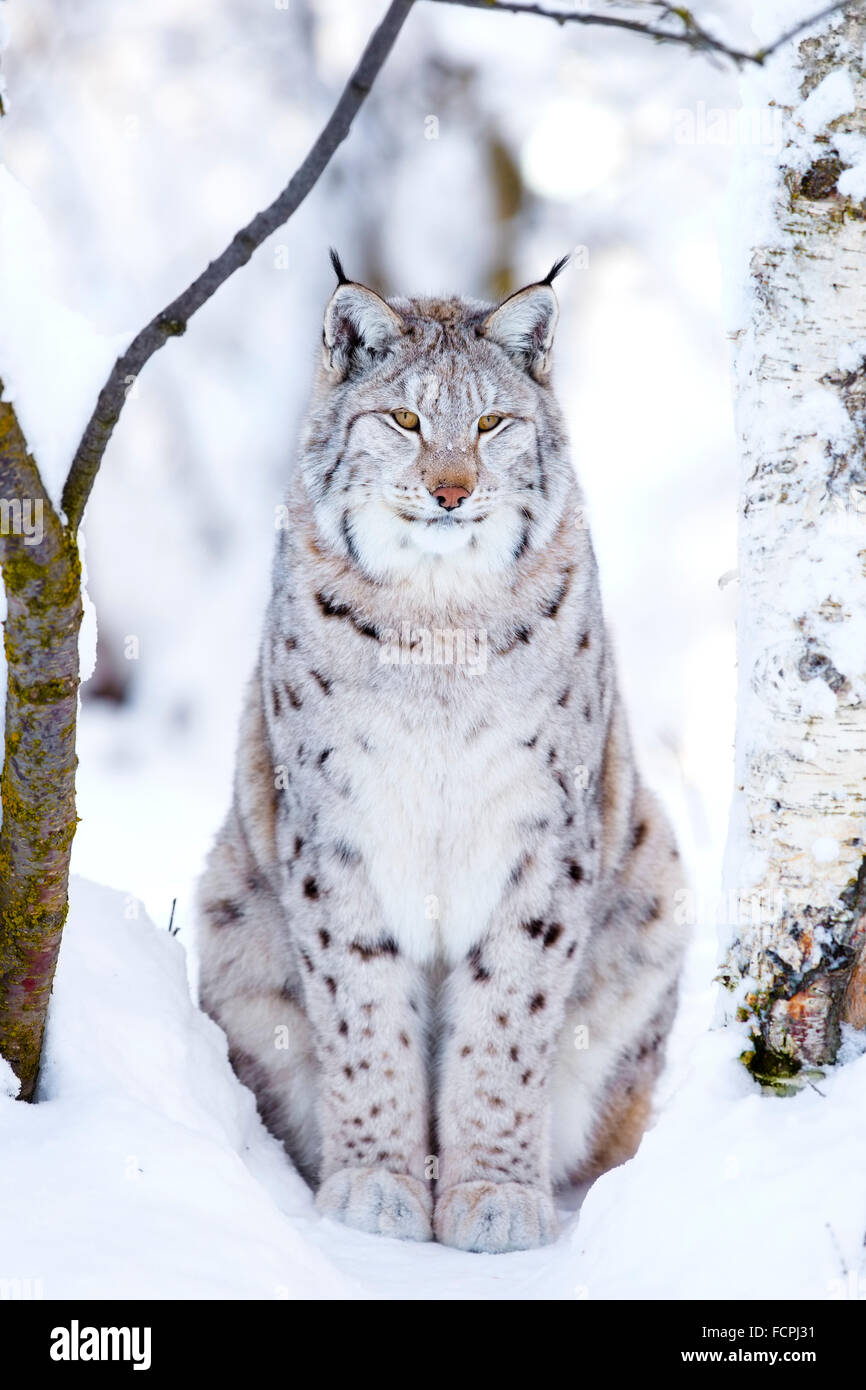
434, 445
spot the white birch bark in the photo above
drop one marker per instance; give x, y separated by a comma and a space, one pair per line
795, 866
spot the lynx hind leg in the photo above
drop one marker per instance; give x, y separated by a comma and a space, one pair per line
623, 1108
248, 980
612, 1047
249, 986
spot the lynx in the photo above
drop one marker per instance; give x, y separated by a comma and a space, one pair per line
438, 926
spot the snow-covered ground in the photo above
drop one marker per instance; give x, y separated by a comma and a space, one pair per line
144, 1171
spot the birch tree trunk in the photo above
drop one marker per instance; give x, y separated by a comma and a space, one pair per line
796, 860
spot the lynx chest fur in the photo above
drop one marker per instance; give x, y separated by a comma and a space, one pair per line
424, 753
440, 861
438, 835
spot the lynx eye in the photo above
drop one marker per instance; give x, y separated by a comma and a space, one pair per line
406, 419
488, 422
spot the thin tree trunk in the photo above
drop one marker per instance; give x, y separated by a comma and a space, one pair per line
796, 875
41, 576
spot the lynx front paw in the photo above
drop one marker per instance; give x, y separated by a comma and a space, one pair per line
493, 1218
379, 1202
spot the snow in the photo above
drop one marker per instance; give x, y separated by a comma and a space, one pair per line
833, 97
825, 849
735, 1194
144, 1172
9, 1083
89, 623
852, 355
852, 182
817, 701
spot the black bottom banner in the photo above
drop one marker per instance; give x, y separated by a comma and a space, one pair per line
82, 1338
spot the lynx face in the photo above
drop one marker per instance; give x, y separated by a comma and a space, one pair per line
434, 447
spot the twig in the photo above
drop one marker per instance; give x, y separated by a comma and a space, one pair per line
171, 321
692, 34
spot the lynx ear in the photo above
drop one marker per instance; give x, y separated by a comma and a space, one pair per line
525, 323
358, 327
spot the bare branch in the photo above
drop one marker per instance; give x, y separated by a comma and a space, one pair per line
687, 31
172, 320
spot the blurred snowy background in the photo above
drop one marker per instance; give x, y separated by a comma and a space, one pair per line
146, 135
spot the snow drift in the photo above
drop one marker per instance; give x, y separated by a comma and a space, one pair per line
144, 1171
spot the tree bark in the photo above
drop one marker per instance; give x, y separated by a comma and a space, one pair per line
796, 875
41, 576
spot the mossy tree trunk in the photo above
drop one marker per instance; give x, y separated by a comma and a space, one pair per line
41, 576
797, 964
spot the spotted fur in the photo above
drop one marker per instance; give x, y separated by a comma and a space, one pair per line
437, 926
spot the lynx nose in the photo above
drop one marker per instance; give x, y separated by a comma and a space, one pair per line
450, 497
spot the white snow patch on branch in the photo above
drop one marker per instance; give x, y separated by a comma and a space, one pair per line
88, 633
833, 97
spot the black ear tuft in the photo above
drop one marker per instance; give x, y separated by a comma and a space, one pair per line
359, 329
342, 277
555, 270
524, 325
